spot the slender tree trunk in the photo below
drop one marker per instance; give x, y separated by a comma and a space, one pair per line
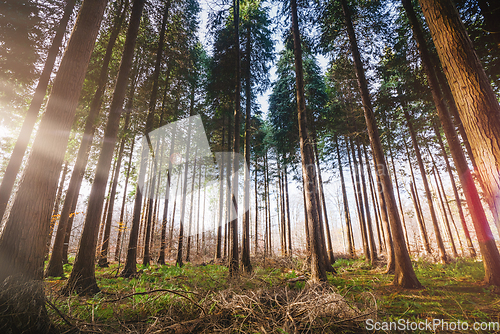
54, 217
191, 204
391, 262
121, 227
318, 263
256, 210
374, 200
288, 215
221, 200
245, 243
347, 214
103, 256
404, 274
371, 239
359, 201
323, 202
16, 158
399, 198
423, 173
161, 257
131, 261
470, 246
445, 216
233, 253
82, 277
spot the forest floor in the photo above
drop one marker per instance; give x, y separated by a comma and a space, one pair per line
200, 298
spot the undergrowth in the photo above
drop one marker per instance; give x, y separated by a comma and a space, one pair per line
275, 298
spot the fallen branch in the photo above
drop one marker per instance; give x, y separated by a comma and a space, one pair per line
66, 320
158, 290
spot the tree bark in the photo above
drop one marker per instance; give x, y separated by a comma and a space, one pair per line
59, 250
404, 275
16, 157
245, 242
347, 214
489, 251
82, 277
476, 102
423, 173
318, 263
38, 187
121, 228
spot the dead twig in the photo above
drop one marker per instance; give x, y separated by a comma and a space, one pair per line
158, 290
66, 320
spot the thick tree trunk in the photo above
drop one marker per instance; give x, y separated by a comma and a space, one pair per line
59, 251
82, 277
16, 158
404, 275
476, 102
38, 187
489, 251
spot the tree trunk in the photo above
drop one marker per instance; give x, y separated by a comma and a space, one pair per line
16, 158
103, 256
323, 202
359, 202
470, 246
121, 228
476, 102
423, 173
256, 210
161, 257
55, 265
233, 227
399, 197
288, 215
391, 263
318, 263
350, 240
54, 217
404, 274
38, 187
489, 251
245, 242
191, 204
374, 200
82, 277
371, 239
